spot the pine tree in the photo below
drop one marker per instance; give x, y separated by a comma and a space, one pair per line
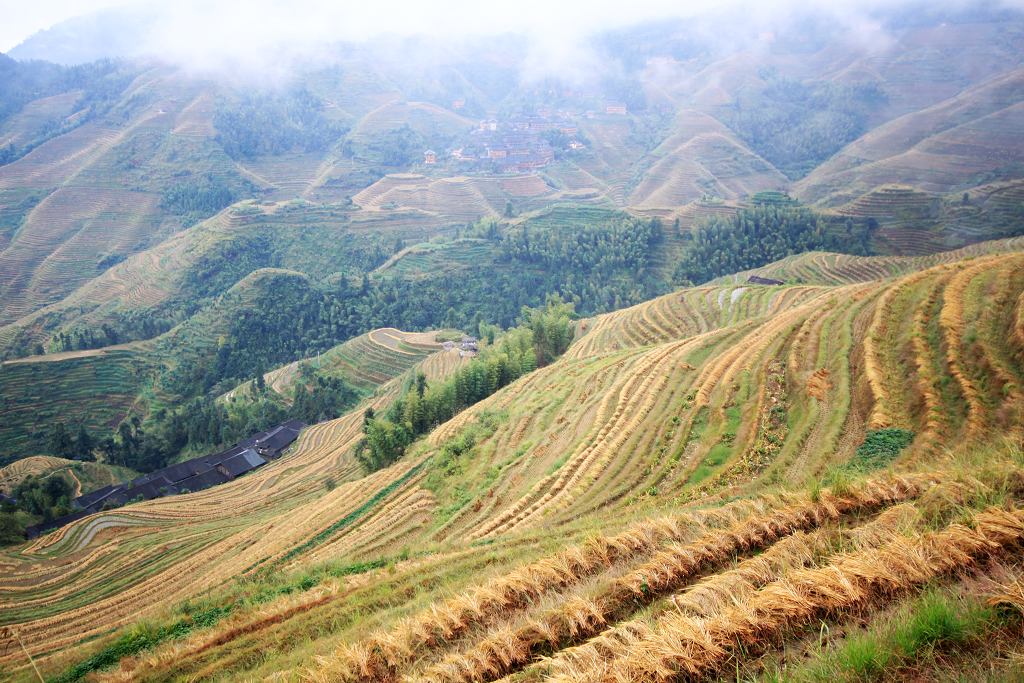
60, 442
84, 445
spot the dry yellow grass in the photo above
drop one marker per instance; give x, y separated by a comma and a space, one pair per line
680, 645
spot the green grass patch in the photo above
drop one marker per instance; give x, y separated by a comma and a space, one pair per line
862, 658
459, 472
936, 620
143, 636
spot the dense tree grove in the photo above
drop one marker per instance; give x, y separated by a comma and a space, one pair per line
205, 424
543, 335
270, 124
197, 198
797, 125
45, 497
395, 148
619, 247
33, 500
63, 444
758, 236
85, 338
599, 268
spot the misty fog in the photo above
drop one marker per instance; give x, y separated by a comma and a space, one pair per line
265, 41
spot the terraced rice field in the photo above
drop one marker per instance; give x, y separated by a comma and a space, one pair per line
429, 120
97, 388
75, 572
835, 269
103, 180
25, 126
366, 361
612, 155
378, 356
62, 240
290, 175
431, 259
158, 280
83, 476
644, 508
971, 135
457, 198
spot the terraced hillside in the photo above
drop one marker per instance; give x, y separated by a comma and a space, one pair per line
733, 481
947, 147
459, 198
819, 268
702, 157
77, 210
96, 388
365, 362
99, 387
629, 510
102, 184
171, 279
426, 119
83, 476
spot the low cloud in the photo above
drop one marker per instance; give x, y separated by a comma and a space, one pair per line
269, 39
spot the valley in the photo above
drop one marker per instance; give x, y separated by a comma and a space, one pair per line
704, 364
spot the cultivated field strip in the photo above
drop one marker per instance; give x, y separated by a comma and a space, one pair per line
683, 314
704, 599
667, 568
76, 587
678, 644
683, 409
817, 268
701, 423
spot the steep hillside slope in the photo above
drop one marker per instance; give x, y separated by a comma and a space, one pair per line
169, 281
101, 187
701, 157
99, 387
661, 431
956, 144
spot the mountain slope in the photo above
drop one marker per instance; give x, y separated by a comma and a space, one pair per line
647, 413
956, 144
702, 157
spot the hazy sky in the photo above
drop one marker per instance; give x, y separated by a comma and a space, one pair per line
20, 19
350, 19
240, 35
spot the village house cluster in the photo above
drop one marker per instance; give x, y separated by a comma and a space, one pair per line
469, 346
189, 476
515, 145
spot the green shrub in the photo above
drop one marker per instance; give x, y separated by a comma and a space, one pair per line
881, 447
